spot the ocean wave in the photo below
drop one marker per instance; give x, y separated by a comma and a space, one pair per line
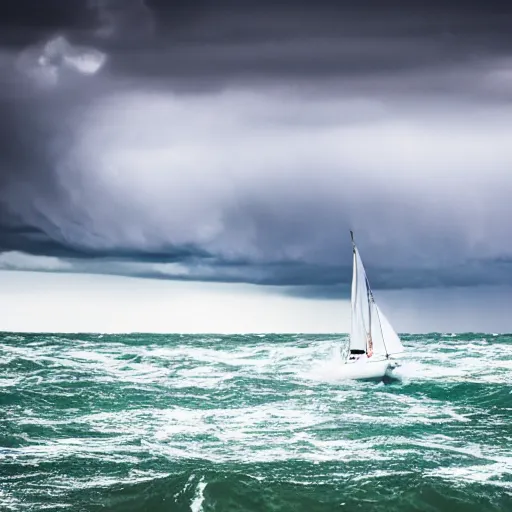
221, 423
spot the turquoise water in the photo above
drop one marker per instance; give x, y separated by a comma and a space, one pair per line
252, 423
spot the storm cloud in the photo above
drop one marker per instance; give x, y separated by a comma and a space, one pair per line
240, 141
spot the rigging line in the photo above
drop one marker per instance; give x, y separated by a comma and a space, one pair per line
382, 334
378, 316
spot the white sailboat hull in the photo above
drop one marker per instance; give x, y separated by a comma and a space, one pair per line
368, 370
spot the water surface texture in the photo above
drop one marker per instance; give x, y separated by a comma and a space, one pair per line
252, 423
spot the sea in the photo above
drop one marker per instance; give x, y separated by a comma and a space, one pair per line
141, 422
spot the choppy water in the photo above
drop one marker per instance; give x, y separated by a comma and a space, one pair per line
251, 423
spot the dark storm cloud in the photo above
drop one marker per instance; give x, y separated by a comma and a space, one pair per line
240, 141
21, 19
231, 38
334, 37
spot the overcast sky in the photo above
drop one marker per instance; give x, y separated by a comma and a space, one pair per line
238, 142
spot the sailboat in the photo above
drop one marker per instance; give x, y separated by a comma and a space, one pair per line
372, 338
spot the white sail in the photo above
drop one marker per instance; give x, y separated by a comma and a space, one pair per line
360, 311
393, 343
380, 349
371, 330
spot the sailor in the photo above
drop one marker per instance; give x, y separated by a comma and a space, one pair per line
369, 352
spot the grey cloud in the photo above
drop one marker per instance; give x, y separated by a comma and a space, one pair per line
297, 280
242, 145
45, 64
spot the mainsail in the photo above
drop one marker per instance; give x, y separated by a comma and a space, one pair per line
371, 331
